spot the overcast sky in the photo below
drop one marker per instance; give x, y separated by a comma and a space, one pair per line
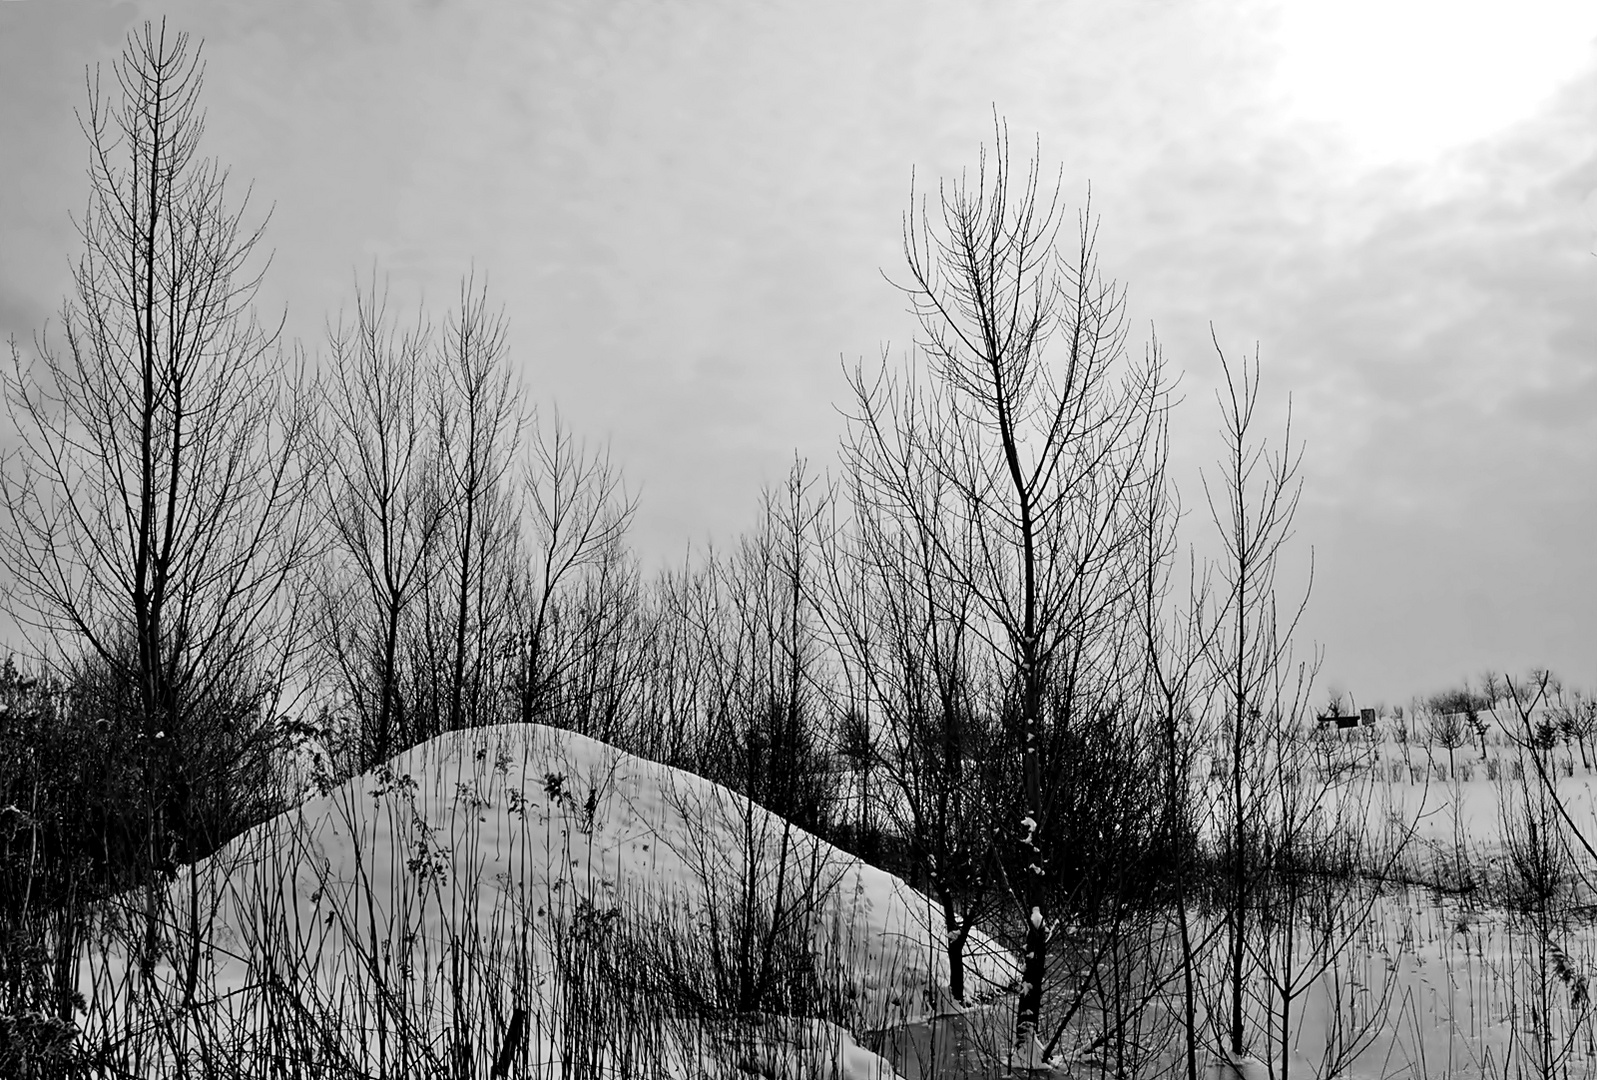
687, 210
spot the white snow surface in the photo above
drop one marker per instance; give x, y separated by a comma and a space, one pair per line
484, 836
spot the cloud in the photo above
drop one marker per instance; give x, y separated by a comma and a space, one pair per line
686, 210
1465, 314
1452, 356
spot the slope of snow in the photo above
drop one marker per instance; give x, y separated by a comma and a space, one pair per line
474, 874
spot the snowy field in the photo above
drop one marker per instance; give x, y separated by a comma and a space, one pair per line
1473, 955
523, 897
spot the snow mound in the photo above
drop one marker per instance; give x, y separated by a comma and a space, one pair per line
418, 908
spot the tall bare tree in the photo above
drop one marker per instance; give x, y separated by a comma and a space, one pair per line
577, 514
156, 502
1252, 502
385, 512
1040, 424
480, 408
1178, 691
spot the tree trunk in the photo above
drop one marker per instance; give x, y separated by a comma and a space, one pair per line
459, 674
1034, 966
1033, 891
957, 933
388, 707
1238, 913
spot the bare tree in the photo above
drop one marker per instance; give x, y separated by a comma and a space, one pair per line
1039, 424
579, 512
1252, 503
1449, 726
771, 678
1452, 709
385, 512
1179, 690
480, 409
156, 501
1577, 719
679, 696
605, 628
907, 634
1294, 893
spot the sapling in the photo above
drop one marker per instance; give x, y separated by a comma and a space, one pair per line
1252, 505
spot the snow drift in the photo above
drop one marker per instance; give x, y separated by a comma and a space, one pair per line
524, 879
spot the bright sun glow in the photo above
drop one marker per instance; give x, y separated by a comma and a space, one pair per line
1407, 80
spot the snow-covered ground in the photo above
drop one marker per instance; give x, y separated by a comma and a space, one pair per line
401, 922
1442, 989
412, 910
1466, 973
1464, 807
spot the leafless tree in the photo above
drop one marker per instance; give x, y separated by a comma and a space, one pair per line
682, 652
1252, 502
385, 512
479, 407
1577, 718
577, 514
908, 636
606, 627
1038, 422
1294, 892
1179, 691
772, 677
1453, 709
1449, 727
156, 503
